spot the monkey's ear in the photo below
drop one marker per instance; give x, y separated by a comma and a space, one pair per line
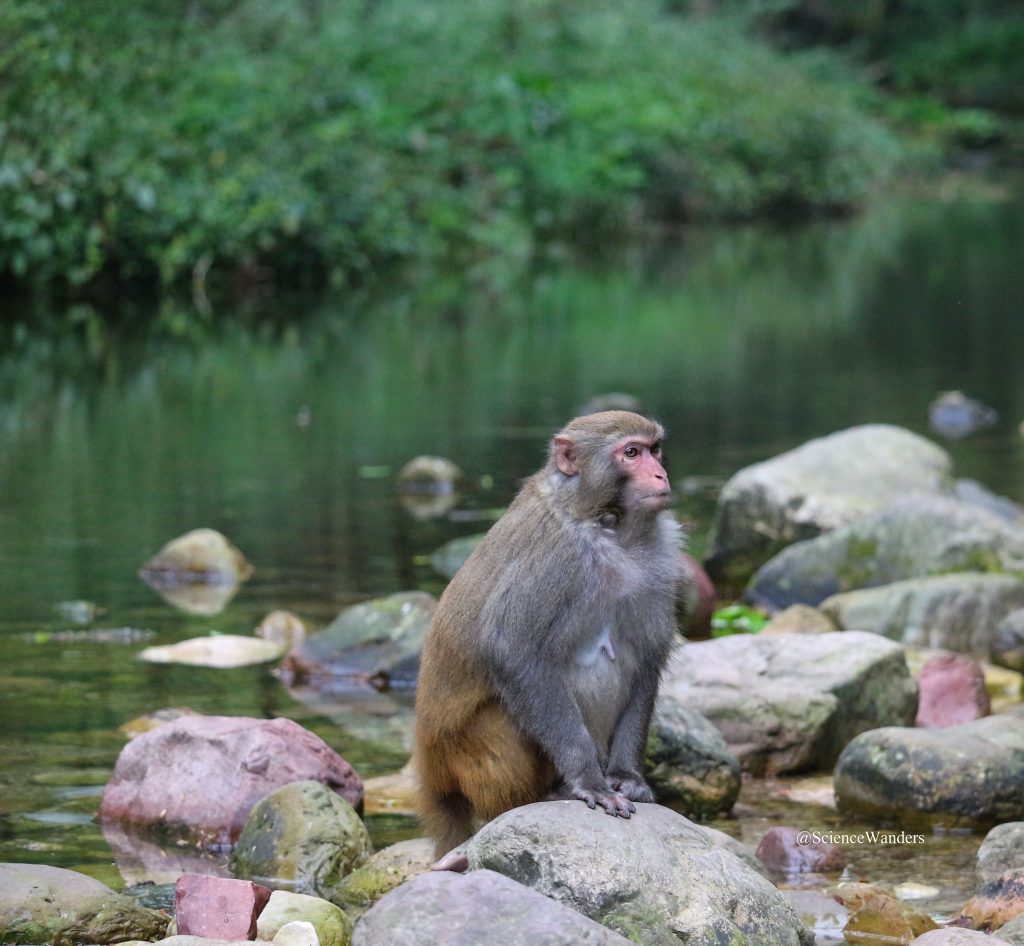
565, 456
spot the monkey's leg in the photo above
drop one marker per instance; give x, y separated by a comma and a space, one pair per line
625, 763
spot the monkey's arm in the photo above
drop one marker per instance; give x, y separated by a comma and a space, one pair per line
626, 759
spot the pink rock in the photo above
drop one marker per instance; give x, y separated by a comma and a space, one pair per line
218, 908
952, 691
198, 777
797, 852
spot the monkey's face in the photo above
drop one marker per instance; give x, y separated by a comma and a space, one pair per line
645, 482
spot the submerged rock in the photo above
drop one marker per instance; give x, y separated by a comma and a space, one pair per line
822, 485
379, 639
302, 836
915, 537
218, 650
789, 703
958, 612
480, 907
576, 856
200, 557
197, 778
40, 904
687, 761
877, 916
968, 775
1002, 850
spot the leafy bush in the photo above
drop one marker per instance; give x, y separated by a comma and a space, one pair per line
155, 142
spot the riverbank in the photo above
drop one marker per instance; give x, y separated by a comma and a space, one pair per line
233, 144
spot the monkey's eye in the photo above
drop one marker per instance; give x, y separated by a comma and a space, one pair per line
631, 453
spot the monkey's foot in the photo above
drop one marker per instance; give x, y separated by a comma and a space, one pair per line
455, 861
613, 803
633, 787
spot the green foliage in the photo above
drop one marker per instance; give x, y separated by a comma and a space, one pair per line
737, 619
155, 142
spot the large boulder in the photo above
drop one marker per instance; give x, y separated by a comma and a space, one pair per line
688, 762
958, 612
820, 486
302, 836
377, 640
198, 777
40, 904
789, 703
969, 775
912, 538
576, 856
479, 907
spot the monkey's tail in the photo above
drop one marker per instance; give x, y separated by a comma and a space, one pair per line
447, 818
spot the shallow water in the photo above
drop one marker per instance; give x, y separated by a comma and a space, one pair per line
283, 425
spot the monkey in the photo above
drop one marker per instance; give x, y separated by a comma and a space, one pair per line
541, 664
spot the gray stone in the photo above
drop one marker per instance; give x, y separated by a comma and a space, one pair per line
1012, 932
451, 556
40, 904
474, 909
372, 640
791, 703
969, 775
820, 486
304, 837
297, 933
958, 612
912, 538
328, 922
576, 856
688, 761
1008, 641
198, 777
1002, 850
973, 492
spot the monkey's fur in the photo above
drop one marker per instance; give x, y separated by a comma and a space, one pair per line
541, 665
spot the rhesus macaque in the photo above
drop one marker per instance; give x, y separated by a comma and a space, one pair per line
541, 665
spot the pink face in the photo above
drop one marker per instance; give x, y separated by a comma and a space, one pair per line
640, 461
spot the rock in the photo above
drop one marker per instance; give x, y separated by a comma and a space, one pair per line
952, 936
40, 904
913, 538
451, 556
740, 850
205, 600
825, 916
481, 907
793, 851
382, 873
696, 600
218, 650
368, 641
1008, 640
789, 703
957, 612
971, 491
302, 836
574, 855
820, 486
150, 721
688, 761
282, 627
200, 557
328, 923
997, 902
197, 778
1002, 850
799, 619
951, 691
955, 415
1012, 932
968, 775
297, 933
877, 916
218, 907
425, 474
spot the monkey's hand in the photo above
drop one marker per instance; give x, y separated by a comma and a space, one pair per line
632, 786
614, 803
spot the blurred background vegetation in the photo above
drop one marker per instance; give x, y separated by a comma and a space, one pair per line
150, 143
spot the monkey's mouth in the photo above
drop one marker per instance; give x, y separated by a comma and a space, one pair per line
658, 500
